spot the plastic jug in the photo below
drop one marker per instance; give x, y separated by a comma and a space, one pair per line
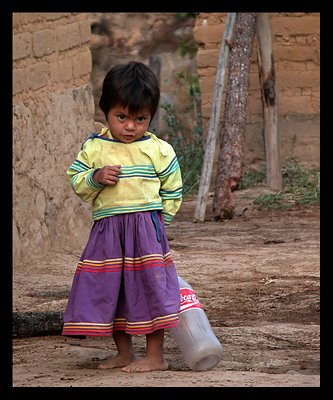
194, 335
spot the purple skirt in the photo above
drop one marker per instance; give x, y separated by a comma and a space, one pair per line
125, 280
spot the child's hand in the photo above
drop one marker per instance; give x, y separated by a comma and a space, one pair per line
107, 175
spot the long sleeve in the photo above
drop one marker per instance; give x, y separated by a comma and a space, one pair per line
150, 177
171, 185
80, 174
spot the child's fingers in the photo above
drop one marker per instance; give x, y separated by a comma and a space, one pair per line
113, 168
111, 175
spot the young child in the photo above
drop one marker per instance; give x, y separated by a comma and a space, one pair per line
126, 282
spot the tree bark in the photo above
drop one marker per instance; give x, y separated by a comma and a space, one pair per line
206, 173
230, 166
269, 102
37, 323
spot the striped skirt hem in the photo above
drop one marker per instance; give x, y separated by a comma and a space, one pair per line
120, 324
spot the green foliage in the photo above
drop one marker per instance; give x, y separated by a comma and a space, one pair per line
272, 201
303, 185
189, 47
299, 187
185, 16
188, 145
251, 178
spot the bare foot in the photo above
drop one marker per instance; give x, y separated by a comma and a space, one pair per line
116, 362
146, 364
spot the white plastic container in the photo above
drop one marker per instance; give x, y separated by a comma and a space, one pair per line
194, 335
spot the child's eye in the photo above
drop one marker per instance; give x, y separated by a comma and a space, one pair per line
141, 119
121, 117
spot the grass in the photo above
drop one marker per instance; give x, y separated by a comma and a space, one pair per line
252, 178
299, 187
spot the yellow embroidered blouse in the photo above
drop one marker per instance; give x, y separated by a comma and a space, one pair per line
150, 177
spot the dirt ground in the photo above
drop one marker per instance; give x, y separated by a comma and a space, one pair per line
258, 278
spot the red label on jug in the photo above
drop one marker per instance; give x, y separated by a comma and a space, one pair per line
188, 300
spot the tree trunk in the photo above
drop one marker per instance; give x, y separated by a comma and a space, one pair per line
37, 323
206, 173
269, 102
230, 166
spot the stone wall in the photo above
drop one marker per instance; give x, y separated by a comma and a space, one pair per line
296, 51
53, 112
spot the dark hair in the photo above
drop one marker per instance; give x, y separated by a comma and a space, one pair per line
132, 85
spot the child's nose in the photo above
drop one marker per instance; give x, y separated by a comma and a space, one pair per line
130, 125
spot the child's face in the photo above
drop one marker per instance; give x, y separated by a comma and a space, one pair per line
127, 128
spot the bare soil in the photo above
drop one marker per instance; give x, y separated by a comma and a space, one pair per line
258, 278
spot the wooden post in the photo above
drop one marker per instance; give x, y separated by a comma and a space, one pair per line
155, 65
269, 102
205, 178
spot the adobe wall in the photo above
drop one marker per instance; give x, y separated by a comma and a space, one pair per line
296, 46
53, 111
